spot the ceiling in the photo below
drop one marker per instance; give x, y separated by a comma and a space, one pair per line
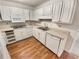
32, 3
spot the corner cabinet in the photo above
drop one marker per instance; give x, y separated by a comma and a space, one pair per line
39, 35
68, 10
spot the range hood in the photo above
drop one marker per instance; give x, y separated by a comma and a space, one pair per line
45, 20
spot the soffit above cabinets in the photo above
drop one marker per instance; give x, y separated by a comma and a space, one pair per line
32, 3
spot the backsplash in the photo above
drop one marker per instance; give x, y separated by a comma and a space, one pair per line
49, 24
4, 24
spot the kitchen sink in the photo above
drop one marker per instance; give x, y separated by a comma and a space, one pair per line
43, 28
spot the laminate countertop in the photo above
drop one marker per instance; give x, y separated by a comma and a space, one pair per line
58, 32
6, 29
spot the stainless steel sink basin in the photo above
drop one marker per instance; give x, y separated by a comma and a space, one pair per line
43, 28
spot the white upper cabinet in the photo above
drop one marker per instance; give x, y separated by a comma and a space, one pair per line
35, 15
67, 11
47, 11
56, 6
17, 14
14, 14
5, 13
26, 14
31, 14
38, 13
44, 12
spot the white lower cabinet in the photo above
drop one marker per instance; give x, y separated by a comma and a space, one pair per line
18, 34
52, 43
22, 33
42, 37
36, 33
39, 35
28, 32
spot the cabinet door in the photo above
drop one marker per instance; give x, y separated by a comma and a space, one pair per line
75, 45
52, 43
26, 32
42, 37
47, 11
26, 14
67, 9
18, 34
56, 5
32, 14
38, 13
5, 12
36, 33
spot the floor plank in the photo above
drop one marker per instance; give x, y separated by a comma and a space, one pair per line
32, 49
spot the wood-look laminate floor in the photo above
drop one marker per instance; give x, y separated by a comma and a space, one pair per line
32, 49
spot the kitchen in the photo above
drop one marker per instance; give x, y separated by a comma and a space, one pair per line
39, 29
